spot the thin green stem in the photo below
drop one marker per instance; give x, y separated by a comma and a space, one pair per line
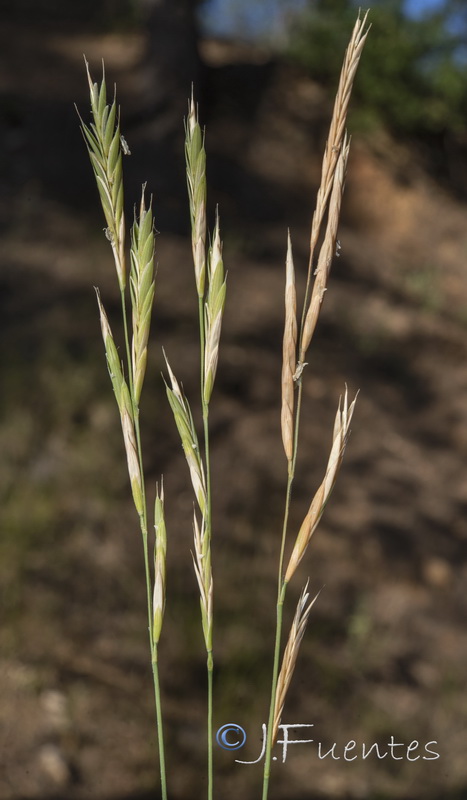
297, 424
157, 694
281, 591
144, 532
210, 666
208, 524
144, 516
288, 495
210, 663
272, 705
154, 661
148, 580
152, 645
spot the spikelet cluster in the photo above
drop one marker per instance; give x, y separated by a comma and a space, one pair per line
210, 265
103, 140
334, 144
105, 146
328, 202
326, 215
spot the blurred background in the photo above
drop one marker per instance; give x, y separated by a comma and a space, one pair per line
386, 647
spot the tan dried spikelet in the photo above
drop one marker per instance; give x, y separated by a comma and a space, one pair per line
310, 523
289, 355
337, 127
334, 147
327, 251
290, 655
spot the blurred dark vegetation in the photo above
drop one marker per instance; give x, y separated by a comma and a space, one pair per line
386, 651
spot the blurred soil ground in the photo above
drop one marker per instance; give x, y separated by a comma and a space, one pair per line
386, 648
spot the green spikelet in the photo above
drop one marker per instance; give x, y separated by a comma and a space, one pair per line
142, 291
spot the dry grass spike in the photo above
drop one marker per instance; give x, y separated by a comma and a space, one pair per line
315, 512
289, 355
328, 249
290, 655
338, 121
334, 147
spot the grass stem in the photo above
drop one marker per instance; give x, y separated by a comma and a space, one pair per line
144, 532
281, 591
208, 522
210, 742
272, 707
160, 738
154, 661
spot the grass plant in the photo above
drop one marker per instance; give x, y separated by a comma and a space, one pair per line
106, 146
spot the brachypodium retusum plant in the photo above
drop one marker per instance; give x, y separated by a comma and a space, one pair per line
105, 146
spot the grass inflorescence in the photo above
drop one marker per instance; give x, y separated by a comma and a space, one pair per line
105, 145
